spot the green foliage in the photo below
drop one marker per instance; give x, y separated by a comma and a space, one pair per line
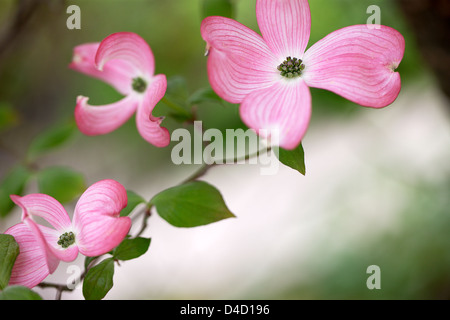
99, 280
133, 201
190, 205
222, 8
8, 116
9, 250
51, 139
19, 293
204, 95
177, 89
294, 159
175, 98
88, 260
131, 248
63, 184
13, 183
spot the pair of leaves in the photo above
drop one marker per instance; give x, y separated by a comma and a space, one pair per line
99, 279
188, 205
51, 139
9, 250
178, 99
63, 184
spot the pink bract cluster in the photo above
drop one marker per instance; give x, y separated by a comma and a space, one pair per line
125, 61
356, 62
95, 230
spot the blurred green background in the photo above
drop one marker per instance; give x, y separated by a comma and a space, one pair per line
38, 91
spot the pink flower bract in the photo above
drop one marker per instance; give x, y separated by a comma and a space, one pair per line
356, 62
125, 61
95, 230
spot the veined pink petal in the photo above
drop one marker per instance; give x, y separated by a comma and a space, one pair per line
52, 260
149, 126
130, 47
31, 266
357, 63
285, 25
51, 236
49, 209
117, 73
284, 108
97, 120
96, 220
239, 60
44, 206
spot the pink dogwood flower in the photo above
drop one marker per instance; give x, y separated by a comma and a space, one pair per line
95, 230
126, 62
270, 75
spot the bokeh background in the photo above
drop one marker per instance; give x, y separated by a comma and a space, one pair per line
376, 190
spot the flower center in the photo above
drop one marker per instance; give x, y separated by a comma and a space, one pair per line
139, 85
66, 240
291, 67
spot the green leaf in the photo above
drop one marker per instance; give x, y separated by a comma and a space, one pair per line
190, 205
9, 250
293, 158
177, 88
99, 280
13, 183
180, 117
175, 98
204, 95
51, 139
222, 8
8, 116
19, 293
133, 201
63, 184
131, 248
88, 260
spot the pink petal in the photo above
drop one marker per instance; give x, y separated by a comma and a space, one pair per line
31, 266
284, 108
117, 73
49, 209
44, 206
149, 126
97, 120
52, 260
51, 236
96, 220
129, 47
239, 60
285, 25
357, 63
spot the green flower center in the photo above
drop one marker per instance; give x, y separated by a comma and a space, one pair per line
139, 85
66, 240
291, 67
